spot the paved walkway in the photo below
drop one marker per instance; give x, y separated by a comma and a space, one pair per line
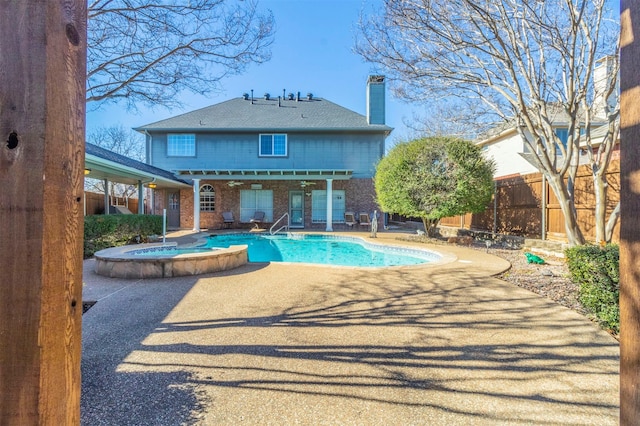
280, 344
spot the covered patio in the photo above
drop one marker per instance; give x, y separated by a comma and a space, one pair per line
108, 166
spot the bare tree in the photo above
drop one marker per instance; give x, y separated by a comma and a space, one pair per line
446, 118
529, 62
121, 141
147, 51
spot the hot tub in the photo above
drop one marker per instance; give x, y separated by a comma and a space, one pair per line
160, 260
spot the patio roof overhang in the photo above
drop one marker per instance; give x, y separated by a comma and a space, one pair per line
264, 174
101, 168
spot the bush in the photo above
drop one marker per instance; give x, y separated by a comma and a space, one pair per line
597, 271
104, 231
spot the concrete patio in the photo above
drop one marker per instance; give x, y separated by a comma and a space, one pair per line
279, 344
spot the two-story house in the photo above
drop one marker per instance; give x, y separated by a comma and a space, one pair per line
304, 156
507, 148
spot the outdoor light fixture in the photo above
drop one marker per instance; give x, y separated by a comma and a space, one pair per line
87, 171
152, 185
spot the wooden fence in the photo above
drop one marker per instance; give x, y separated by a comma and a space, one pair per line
94, 203
518, 204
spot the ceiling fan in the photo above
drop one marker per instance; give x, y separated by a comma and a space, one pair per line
304, 183
233, 183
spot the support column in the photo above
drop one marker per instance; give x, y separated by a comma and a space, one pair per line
43, 47
329, 205
106, 196
196, 205
140, 198
629, 208
495, 209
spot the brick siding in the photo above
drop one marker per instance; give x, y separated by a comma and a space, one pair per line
360, 197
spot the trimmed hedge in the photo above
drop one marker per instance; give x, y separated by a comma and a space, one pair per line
597, 271
104, 231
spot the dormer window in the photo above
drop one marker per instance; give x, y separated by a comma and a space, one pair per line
273, 145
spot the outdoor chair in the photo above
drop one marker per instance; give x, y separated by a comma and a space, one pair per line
257, 219
227, 219
364, 220
350, 219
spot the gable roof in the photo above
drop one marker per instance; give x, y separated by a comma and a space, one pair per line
555, 112
105, 164
259, 114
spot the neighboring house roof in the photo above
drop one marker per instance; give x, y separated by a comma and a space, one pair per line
259, 114
599, 132
556, 113
105, 164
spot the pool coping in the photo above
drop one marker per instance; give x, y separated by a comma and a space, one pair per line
118, 262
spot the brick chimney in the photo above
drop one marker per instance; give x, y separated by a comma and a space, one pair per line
375, 99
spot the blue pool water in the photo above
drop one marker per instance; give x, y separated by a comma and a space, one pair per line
321, 249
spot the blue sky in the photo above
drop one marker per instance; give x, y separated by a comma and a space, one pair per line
312, 52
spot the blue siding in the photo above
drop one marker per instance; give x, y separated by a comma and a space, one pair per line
358, 152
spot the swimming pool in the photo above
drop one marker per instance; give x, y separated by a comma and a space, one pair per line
321, 249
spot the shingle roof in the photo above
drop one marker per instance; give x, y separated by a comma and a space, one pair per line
105, 154
556, 113
238, 114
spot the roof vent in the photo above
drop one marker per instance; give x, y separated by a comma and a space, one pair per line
245, 96
267, 96
309, 96
290, 96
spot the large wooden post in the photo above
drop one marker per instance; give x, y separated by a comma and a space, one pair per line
42, 116
629, 208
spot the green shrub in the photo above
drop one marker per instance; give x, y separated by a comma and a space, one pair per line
597, 271
104, 231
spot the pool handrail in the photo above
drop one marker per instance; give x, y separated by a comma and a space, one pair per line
285, 226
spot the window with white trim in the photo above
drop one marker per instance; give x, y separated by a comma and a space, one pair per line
181, 145
563, 135
272, 145
207, 198
319, 206
253, 200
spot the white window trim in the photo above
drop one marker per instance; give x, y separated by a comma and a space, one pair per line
205, 204
286, 145
339, 206
257, 197
169, 135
